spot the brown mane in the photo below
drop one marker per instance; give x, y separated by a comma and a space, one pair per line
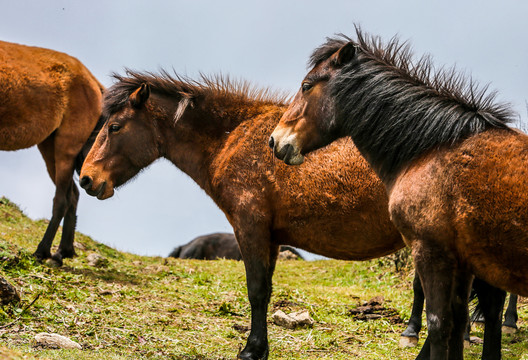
178, 85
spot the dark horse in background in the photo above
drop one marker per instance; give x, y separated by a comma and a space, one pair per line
51, 100
455, 173
216, 131
217, 246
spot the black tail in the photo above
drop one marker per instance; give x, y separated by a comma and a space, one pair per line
81, 156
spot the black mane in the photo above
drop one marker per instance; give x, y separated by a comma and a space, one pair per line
396, 108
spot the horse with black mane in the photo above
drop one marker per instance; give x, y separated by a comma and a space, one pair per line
216, 131
51, 100
455, 172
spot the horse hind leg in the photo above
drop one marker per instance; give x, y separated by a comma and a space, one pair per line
66, 248
60, 169
509, 326
460, 308
409, 337
441, 284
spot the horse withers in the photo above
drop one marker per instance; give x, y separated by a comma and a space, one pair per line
456, 174
51, 100
216, 131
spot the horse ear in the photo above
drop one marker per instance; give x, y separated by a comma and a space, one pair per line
140, 96
344, 55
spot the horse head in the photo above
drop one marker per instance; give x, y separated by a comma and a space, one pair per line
309, 122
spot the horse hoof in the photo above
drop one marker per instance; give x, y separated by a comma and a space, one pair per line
508, 330
41, 257
53, 263
66, 254
408, 341
249, 356
55, 260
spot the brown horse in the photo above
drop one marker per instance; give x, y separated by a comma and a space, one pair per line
216, 132
456, 174
51, 100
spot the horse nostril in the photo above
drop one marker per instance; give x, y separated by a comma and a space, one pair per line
271, 142
86, 182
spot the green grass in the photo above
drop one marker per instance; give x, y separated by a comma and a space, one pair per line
156, 308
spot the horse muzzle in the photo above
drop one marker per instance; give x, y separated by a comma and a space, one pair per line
285, 151
101, 191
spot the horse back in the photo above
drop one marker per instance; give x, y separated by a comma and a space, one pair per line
40, 88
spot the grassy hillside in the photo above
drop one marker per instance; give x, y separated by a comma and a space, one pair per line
138, 307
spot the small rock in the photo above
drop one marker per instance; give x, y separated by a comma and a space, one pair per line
508, 330
8, 293
408, 341
56, 341
476, 340
97, 260
287, 255
79, 245
293, 320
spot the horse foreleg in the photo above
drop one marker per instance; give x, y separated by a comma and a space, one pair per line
459, 303
437, 272
509, 326
409, 336
59, 209
491, 301
60, 169
259, 260
47, 150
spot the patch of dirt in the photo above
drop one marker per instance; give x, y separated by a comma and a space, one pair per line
284, 304
374, 309
241, 328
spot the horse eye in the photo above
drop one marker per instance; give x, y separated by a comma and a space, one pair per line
114, 128
306, 86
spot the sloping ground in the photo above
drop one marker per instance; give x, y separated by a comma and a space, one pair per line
134, 307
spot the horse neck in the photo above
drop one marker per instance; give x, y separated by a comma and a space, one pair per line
394, 119
194, 144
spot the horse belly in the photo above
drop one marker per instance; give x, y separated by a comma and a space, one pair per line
359, 236
335, 206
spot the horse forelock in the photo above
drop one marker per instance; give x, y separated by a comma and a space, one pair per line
407, 106
327, 49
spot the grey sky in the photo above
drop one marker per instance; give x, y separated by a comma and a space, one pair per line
265, 42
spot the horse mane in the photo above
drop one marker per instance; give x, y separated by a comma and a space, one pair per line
400, 108
180, 86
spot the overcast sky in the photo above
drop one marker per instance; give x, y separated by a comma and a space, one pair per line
265, 42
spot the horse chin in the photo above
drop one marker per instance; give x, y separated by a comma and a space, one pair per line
105, 191
106, 194
295, 159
